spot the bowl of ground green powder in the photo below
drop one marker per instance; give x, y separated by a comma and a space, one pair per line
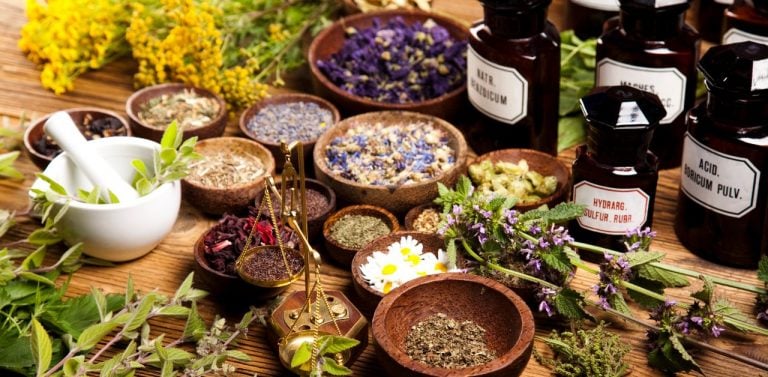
351, 228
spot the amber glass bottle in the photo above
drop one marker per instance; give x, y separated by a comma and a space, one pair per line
652, 49
586, 17
710, 19
722, 212
746, 20
513, 77
614, 174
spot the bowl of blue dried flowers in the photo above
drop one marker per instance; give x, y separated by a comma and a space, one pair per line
392, 60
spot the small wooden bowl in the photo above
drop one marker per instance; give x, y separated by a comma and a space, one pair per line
370, 297
228, 288
314, 224
397, 199
277, 99
330, 41
505, 317
139, 98
540, 162
218, 200
413, 214
342, 254
35, 132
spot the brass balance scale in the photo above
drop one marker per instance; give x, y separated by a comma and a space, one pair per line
303, 316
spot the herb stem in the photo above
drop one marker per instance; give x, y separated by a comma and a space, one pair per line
496, 267
61, 362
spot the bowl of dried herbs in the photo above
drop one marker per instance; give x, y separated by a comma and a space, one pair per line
197, 111
403, 59
351, 228
229, 176
453, 324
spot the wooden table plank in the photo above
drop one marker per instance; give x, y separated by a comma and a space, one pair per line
171, 261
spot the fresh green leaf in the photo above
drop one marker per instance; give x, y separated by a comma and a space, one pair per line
95, 333
101, 302
43, 236
140, 168
640, 258
762, 269
570, 304
618, 303
176, 356
338, 344
6, 221
238, 355
335, 369
113, 198
302, 355
42, 348
642, 299
666, 278
706, 292
169, 135
194, 329
174, 310
34, 259
142, 312
184, 288
72, 365
35, 277
54, 186
70, 260
558, 260
452, 254
129, 293
683, 353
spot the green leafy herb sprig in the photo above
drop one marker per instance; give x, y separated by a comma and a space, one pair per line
324, 350
7, 169
761, 306
585, 353
577, 78
170, 162
534, 249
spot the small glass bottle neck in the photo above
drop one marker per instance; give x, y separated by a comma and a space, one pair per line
737, 111
611, 149
515, 24
656, 26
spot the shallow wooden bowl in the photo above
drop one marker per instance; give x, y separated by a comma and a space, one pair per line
342, 254
330, 40
414, 213
140, 97
273, 147
314, 224
35, 132
505, 317
397, 199
369, 297
218, 200
540, 162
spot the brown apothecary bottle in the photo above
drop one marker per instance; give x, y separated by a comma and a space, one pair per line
652, 49
746, 20
614, 174
722, 212
587, 17
513, 77
710, 19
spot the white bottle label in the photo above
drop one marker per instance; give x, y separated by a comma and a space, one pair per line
734, 35
724, 2
611, 210
606, 5
667, 83
759, 75
722, 183
497, 91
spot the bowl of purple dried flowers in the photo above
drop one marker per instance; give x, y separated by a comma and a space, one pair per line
390, 159
392, 60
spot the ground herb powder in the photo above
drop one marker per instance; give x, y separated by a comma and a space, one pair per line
355, 231
443, 342
427, 221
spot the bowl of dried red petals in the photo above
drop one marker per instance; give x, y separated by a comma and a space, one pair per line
453, 324
392, 60
229, 176
93, 122
198, 112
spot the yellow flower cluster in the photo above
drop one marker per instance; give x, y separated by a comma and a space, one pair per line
68, 37
180, 42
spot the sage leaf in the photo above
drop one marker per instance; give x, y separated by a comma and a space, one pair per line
43, 236
169, 136
238, 355
42, 349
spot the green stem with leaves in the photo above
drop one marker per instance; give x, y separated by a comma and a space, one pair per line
507, 271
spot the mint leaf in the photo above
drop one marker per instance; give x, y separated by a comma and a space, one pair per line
335, 369
558, 260
194, 329
94, 334
618, 303
666, 278
42, 348
338, 344
570, 304
76, 314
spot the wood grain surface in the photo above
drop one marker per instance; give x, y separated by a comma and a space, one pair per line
165, 267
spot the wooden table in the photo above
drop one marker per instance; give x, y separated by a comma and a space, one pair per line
171, 261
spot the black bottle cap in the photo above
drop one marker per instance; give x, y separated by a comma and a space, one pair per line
655, 5
740, 69
516, 5
620, 123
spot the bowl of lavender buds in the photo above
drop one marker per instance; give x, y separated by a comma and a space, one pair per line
390, 159
392, 60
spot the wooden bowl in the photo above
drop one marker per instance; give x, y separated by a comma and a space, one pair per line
342, 254
505, 317
368, 296
314, 224
413, 214
397, 199
330, 41
540, 162
218, 200
227, 288
139, 98
35, 132
274, 147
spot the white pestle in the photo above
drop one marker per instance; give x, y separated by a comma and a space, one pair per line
62, 129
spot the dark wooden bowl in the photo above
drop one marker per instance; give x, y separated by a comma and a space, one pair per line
330, 40
314, 224
35, 131
505, 317
397, 199
140, 97
218, 200
341, 254
228, 289
273, 147
369, 297
414, 213
542, 163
